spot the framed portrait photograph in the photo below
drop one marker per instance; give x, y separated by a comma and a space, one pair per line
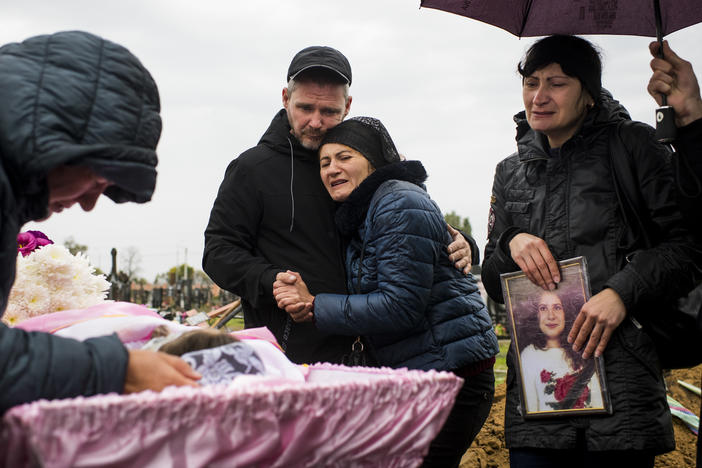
553, 379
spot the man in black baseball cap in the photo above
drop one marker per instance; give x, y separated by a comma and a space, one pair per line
320, 57
272, 212
316, 98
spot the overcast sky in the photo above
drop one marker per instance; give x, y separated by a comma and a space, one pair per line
445, 87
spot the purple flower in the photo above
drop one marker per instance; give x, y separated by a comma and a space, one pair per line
26, 243
29, 241
40, 236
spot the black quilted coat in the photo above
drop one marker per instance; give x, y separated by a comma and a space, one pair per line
568, 199
68, 98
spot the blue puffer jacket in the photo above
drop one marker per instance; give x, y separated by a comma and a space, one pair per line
415, 309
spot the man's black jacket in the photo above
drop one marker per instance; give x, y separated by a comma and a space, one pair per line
272, 213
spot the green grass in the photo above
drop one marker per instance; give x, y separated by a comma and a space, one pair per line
237, 323
500, 363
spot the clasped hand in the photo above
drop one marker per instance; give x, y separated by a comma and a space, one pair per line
292, 295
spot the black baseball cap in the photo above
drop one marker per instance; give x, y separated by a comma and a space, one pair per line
320, 57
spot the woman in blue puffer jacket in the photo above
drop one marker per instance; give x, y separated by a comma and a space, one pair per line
413, 308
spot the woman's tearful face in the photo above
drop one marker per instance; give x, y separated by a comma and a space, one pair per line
342, 169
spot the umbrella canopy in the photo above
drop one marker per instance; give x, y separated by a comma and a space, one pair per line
527, 18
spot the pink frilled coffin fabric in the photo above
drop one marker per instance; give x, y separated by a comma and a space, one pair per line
326, 415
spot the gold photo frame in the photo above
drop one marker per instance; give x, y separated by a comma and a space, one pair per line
553, 379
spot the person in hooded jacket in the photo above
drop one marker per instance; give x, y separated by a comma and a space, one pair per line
674, 77
272, 212
413, 308
555, 199
79, 116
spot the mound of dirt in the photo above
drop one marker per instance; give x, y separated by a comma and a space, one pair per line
489, 451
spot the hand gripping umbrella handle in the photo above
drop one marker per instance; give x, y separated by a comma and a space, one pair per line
666, 130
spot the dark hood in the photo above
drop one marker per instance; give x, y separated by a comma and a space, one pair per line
279, 138
75, 98
532, 144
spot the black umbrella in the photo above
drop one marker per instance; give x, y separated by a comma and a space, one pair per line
526, 18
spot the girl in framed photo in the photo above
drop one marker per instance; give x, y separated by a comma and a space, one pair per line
555, 377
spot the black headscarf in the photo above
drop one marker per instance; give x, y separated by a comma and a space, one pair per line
368, 136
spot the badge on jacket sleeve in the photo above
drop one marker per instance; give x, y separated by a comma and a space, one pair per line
491, 218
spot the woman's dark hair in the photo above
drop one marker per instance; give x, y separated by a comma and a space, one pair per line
577, 57
531, 331
196, 340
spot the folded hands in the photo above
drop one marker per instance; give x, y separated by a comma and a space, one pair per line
291, 294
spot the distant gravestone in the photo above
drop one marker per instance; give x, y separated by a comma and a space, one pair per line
157, 298
115, 283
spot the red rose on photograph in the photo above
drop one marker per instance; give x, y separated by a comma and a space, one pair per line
563, 386
584, 396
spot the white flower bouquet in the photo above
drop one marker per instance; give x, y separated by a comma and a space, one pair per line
49, 279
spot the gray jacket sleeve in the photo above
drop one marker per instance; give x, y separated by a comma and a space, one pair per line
35, 365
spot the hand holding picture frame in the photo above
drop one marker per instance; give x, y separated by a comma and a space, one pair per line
554, 380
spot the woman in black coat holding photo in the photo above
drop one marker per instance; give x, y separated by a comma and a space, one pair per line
555, 199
